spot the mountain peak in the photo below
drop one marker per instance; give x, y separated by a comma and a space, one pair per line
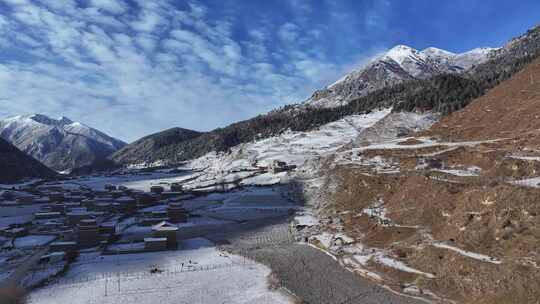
401, 52
398, 64
433, 51
46, 120
65, 121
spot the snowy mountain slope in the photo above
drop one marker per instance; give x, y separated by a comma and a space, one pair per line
399, 64
311, 151
294, 148
395, 125
61, 143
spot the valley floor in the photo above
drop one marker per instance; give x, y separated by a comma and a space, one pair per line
238, 248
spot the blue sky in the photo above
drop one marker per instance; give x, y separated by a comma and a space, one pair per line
134, 67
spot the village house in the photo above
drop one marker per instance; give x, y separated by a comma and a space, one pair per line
168, 231
116, 193
278, 166
56, 197
155, 244
47, 215
145, 200
109, 187
108, 228
25, 199
125, 204
177, 213
168, 194
53, 257
66, 246
176, 187
88, 233
150, 218
88, 203
75, 216
157, 189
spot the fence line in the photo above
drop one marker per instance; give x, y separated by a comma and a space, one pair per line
139, 275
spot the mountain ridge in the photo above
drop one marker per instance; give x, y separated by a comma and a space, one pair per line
399, 64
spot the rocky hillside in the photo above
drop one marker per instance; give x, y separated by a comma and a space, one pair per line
400, 64
61, 144
15, 165
449, 214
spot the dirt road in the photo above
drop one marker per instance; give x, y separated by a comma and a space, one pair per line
309, 273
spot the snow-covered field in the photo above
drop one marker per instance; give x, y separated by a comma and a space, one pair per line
140, 181
33, 241
17, 214
198, 274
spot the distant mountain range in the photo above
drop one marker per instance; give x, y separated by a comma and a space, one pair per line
404, 79
60, 144
399, 64
16, 165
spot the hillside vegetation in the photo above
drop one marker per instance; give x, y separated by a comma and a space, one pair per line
15, 165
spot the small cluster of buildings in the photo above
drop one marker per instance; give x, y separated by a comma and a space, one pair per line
82, 218
278, 166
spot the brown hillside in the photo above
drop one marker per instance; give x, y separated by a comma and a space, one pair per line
475, 195
508, 110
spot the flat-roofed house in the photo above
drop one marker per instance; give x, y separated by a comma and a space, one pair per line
88, 233
66, 246
126, 204
155, 244
168, 231
157, 189
47, 215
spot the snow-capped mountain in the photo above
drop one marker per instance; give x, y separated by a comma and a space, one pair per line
400, 63
61, 143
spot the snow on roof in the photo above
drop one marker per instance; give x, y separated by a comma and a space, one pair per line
162, 239
62, 243
165, 226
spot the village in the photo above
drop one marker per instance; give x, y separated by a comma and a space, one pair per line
47, 227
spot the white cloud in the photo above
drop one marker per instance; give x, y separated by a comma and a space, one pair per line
16, 2
257, 34
147, 22
131, 71
110, 6
289, 32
